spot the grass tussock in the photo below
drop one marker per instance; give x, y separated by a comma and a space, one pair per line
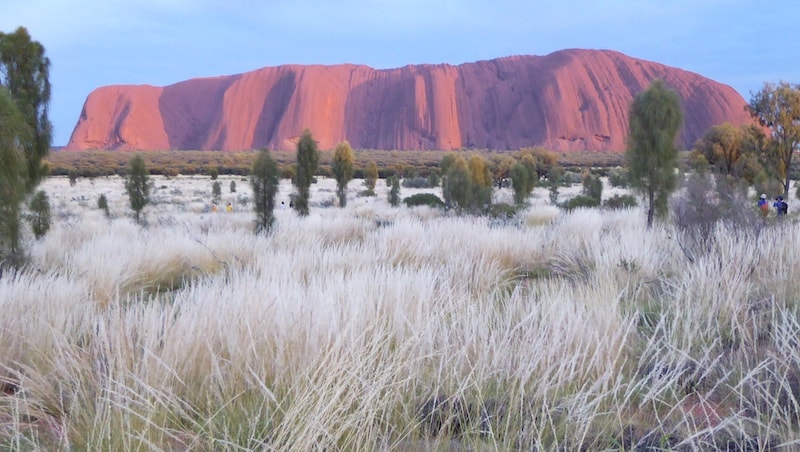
371, 328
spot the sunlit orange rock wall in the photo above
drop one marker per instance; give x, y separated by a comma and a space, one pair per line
568, 100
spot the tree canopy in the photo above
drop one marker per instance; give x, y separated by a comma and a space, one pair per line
777, 107
25, 72
651, 154
307, 161
342, 167
265, 181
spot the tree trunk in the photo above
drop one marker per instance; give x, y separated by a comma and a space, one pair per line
650, 209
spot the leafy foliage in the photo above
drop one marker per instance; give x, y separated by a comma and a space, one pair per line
519, 183
655, 119
216, 191
264, 180
307, 161
371, 177
342, 168
620, 202
423, 199
102, 204
137, 185
777, 107
12, 174
39, 217
394, 192
25, 72
554, 177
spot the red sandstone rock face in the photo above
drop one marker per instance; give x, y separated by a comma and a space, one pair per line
568, 100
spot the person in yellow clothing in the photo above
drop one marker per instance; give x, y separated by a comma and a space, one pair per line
229, 208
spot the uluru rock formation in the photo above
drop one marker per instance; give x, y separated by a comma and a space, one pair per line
567, 100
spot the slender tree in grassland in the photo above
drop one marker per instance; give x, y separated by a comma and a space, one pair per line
457, 188
519, 182
25, 72
307, 161
216, 191
371, 177
102, 204
39, 216
481, 179
265, 181
651, 154
13, 173
778, 108
342, 167
394, 192
137, 184
25, 131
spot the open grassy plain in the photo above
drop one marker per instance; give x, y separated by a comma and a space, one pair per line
379, 328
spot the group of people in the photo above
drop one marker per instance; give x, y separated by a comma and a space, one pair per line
780, 205
228, 207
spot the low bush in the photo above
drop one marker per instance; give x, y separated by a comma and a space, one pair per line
620, 202
415, 182
502, 210
423, 199
580, 201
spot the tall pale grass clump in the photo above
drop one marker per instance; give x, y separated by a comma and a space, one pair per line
373, 328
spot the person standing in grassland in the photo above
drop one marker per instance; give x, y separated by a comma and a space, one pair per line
780, 206
763, 205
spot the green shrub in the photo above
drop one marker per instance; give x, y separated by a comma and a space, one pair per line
502, 210
216, 191
415, 182
102, 204
424, 199
580, 201
620, 202
39, 217
618, 178
394, 192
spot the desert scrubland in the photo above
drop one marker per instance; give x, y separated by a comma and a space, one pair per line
379, 328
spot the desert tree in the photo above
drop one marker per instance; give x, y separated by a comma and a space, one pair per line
777, 107
481, 179
371, 177
457, 187
25, 73
394, 191
216, 191
39, 216
651, 153
13, 173
25, 130
264, 180
592, 187
137, 185
502, 169
102, 204
342, 167
307, 161
555, 177
721, 146
542, 160
519, 183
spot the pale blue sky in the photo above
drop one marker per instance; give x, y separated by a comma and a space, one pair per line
93, 43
